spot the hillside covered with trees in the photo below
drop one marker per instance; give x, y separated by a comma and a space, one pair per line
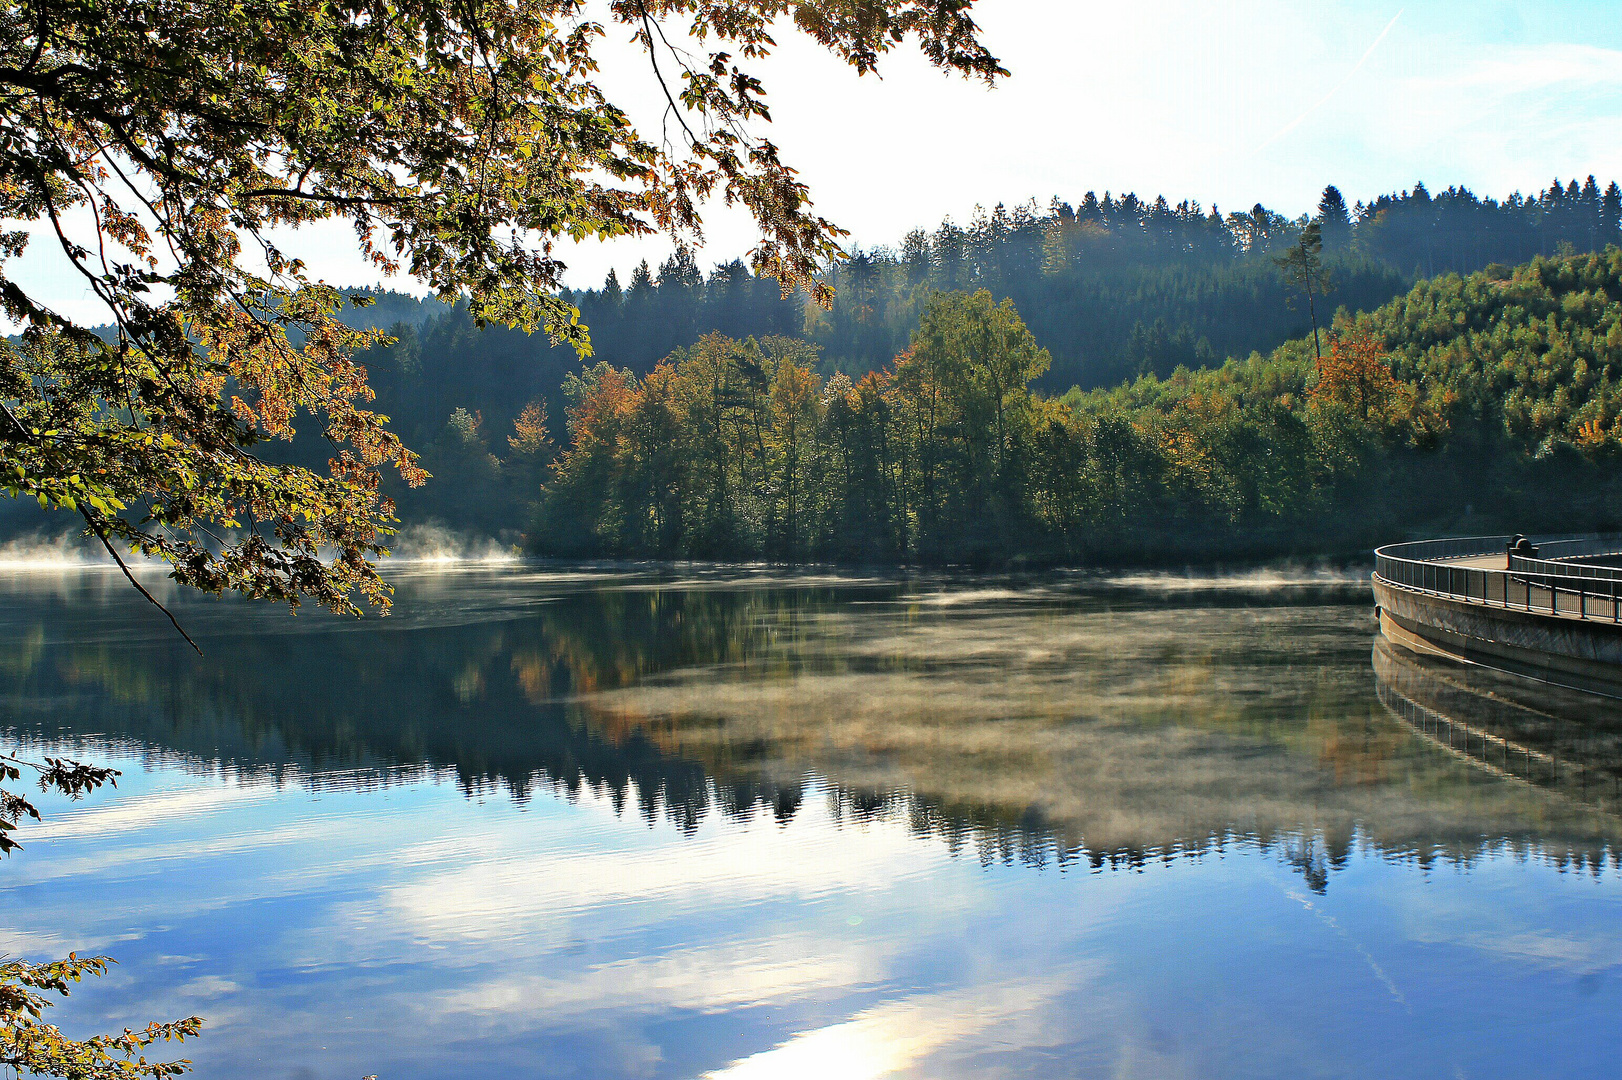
1133, 307
1488, 402
1112, 287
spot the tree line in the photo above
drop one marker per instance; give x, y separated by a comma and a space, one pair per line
1113, 288
1491, 402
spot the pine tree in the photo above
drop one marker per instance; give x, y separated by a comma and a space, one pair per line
612, 294
1303, 265
1333, 219
1593, 227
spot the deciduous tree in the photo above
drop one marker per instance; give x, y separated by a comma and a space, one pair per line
164, 149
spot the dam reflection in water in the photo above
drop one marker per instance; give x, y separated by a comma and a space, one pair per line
636, 825
1548, 737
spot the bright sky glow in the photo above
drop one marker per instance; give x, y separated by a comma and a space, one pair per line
1232, 102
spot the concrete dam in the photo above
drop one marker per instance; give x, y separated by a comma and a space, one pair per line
1548, 609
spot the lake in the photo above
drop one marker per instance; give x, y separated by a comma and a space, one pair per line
732, 824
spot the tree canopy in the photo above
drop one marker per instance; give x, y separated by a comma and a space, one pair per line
1487, 403
1113, 287
165, 148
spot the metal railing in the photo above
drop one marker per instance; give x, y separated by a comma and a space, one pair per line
1547, 586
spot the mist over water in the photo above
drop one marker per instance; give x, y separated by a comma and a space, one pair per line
439, 545
44, 551
424, 544
673, 821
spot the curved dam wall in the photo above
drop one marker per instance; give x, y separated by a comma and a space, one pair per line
1580, 654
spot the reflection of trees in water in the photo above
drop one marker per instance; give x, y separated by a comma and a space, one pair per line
1090, 733
1136, 737
495, 703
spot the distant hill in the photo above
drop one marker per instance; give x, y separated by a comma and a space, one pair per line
1113, 287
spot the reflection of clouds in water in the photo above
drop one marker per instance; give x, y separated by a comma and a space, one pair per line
761, 970
499, 907
432, 926
1565, 952
172, 809
748, 863
1481, 922
36, 944
900, 1034
451, 929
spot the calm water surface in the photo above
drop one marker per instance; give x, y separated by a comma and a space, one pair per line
638, 825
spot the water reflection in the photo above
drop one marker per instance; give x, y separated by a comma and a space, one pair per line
1547, 737
632, 825
1115, 727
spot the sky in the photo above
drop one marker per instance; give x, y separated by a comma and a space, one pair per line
1230, 102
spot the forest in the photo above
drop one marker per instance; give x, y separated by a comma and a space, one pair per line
719, 419
1113, 287
1483, 403
1139, 291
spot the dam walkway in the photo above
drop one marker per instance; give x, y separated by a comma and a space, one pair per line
1577, 578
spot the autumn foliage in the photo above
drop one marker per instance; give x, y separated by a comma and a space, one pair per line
949, 454
749, 449
1357, 375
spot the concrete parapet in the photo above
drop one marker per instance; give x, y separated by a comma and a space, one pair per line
1580, 654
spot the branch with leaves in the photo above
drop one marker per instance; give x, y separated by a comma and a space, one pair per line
62, 775
31, 1046
28, 1045
460, 143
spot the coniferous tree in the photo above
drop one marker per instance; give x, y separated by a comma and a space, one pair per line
1334, 220
1303, 265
